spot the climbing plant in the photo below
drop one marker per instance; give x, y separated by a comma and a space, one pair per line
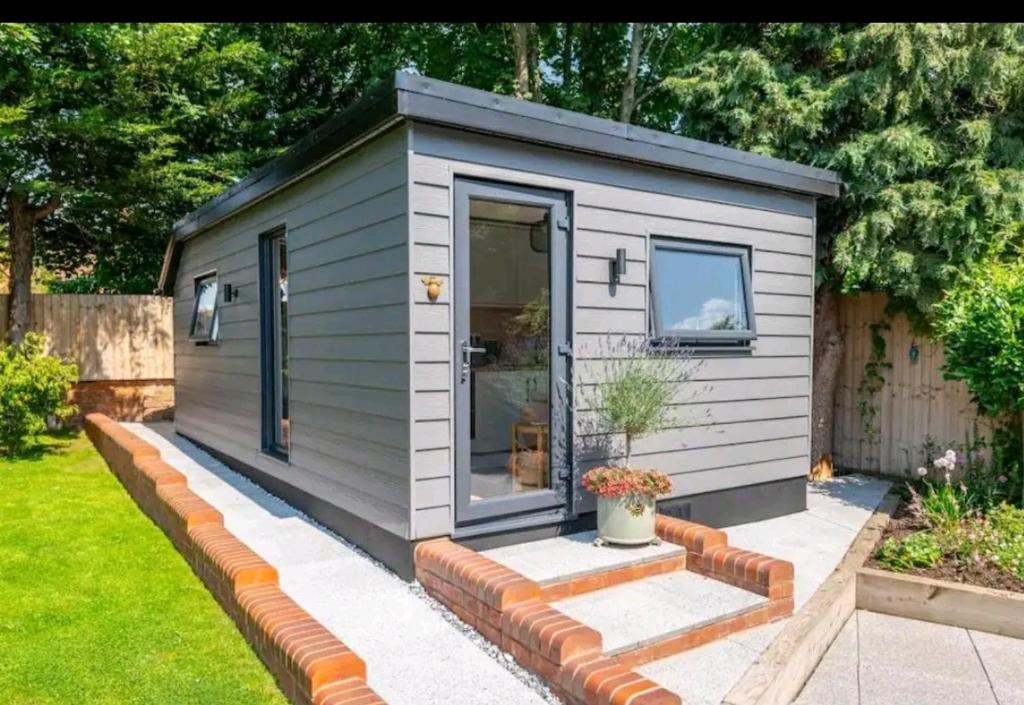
873, 380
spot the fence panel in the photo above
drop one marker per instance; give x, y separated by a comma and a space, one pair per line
111, 337
915, 403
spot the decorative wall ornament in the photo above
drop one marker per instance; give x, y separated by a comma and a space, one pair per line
433, 285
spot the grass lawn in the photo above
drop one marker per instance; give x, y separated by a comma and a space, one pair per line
96, 605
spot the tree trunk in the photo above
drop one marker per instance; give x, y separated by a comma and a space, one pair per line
521, 42
21, 230
533, 54
567, 56
21, 225
828, 353
632, 67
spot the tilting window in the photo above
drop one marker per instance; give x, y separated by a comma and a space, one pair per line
274, 334
205, 320
700, 292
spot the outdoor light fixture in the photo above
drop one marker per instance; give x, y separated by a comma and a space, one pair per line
914, 353
618, 265
230, 293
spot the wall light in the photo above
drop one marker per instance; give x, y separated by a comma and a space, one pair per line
618, 265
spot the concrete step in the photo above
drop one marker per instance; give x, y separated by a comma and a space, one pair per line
571, 565
659, 616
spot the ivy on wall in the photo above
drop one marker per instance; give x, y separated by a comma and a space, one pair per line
873, 380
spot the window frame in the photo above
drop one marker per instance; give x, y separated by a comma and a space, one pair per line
736, 338
271, 401
212, 337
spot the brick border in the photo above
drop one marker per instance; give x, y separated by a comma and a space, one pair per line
513, 611
709, 553
311, 665
598, 580
510, 611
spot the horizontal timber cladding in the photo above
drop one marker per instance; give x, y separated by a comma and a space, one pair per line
750, 420
348, 322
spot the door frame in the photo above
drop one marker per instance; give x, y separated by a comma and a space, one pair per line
541, 506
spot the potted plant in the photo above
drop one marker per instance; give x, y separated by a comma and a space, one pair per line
632, 397
625, 503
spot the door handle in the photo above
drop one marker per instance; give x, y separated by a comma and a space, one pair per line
467, 352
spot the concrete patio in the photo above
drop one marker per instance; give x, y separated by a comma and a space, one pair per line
884, 660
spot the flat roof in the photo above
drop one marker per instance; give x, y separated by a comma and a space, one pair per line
423, 99
406, 96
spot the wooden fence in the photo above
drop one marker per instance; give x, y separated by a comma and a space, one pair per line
110, 337
914, 404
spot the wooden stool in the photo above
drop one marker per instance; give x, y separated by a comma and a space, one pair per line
532, 476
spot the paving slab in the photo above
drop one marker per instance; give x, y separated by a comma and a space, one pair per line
1003, 659
687, 674
641, 611
413, 655
899, 661
835, 680
563, 557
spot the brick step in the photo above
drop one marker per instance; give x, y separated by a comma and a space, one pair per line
662, 615
567, 566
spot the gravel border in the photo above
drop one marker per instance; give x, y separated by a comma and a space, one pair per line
503, 658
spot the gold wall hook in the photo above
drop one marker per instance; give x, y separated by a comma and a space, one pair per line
433, 285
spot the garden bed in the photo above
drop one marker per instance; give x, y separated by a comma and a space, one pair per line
981, 573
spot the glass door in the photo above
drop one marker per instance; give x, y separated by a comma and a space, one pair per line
511, 352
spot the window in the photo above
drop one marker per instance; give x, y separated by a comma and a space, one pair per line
700, 292
205, 320
274, 334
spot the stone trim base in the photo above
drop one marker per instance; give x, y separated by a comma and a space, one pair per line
311, 665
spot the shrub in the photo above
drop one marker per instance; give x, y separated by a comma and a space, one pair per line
920, 550
637, 486
981, 326
636, 388
33, 387
1006, 539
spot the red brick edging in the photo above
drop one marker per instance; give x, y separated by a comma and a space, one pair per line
311, 665
709, 553
513, 612
509, 610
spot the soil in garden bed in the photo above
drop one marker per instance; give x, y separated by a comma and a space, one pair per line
987, 575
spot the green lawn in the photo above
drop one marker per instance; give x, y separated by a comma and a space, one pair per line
96, 606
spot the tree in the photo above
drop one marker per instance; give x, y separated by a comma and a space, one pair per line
923, 122
97, 125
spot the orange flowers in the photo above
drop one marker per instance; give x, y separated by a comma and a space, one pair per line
621, 482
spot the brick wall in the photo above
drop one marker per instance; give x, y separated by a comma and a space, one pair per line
125, 400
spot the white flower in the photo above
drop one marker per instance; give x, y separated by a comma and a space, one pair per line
922, 471
951, 455
1002, 479
939, 463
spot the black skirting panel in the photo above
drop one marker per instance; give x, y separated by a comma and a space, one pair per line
737, 505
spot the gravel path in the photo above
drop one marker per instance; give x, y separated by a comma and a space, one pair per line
416, 651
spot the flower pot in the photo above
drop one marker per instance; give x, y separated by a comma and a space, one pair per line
616, 524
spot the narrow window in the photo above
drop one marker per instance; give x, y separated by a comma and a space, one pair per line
274, 333
205, 319
700, 292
